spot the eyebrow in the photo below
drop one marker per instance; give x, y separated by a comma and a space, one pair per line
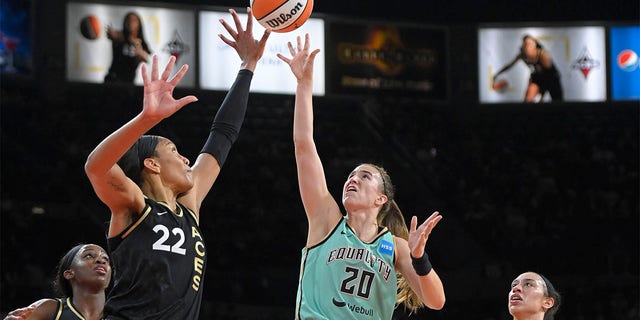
361, 170
524, 280
94, 250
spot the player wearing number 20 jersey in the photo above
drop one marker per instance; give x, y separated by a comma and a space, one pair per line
362, 274
152, 257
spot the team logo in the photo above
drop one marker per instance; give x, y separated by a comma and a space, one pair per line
354, 308
627, 60
585, 63
176, 46
386, 247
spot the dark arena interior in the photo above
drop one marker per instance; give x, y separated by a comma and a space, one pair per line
548, 187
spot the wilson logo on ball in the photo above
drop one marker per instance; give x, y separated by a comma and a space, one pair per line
282, 15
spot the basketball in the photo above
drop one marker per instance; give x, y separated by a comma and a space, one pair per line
500, 85
90, 27
281, 15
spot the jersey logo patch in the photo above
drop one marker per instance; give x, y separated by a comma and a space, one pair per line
386, 247
161, 213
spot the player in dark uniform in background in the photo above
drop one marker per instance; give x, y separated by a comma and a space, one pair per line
544, 74
157, 248
82, 276
129, 48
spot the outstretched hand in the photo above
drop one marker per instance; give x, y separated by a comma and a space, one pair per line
418, 235
158, 90
301, 61
249, 49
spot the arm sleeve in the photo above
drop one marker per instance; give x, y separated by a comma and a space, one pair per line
229, 118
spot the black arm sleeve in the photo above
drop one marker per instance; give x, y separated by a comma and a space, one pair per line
228, 120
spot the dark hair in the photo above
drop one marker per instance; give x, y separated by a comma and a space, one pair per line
61, 285
552, 293
126, 31
528, 36
132, 161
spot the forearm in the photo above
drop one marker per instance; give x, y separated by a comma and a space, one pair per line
430, 285
303, 113
432, 290
109, 151
229, 118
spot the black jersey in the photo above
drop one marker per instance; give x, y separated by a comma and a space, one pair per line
547, 79
66, 311
158, 266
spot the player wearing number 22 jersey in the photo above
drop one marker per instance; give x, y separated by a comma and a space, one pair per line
363, 275
152, 257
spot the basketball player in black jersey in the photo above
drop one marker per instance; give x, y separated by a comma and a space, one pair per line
544, 74
156, 246
82, 276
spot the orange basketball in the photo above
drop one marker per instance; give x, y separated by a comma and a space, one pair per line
500, 85
90, 27
282, 15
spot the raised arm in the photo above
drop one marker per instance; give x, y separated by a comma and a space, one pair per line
322, 210
507, 66
413, 262
230, 116
110, 183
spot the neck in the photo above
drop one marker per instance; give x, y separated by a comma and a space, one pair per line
160, 194
536, 316
362, 223
89, 304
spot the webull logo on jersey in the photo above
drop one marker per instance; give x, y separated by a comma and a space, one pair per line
354, 308
361, 254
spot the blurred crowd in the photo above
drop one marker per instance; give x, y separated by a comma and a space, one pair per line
548, 188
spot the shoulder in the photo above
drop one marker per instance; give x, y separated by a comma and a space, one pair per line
44, 309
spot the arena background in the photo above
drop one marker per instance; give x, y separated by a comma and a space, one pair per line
550, 188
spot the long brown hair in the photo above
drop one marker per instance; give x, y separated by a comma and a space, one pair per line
391, 217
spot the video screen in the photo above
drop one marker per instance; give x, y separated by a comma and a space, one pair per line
109, 43
387, 59
15, 33
219, 63
625, 67
542, 64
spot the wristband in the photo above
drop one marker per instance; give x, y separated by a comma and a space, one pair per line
421, 265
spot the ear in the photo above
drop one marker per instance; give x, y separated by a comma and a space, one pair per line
152, 165
381, 199
68, 274
548, 303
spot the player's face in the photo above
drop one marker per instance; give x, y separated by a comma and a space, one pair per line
134, 24
174, 168
362, 188
528, 295
529, 48
90, 268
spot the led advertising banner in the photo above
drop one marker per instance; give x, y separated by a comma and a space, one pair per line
15, 33
106, 43
542, 64
625, 68
219, 63
369, 58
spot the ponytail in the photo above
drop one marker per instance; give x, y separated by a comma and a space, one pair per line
391, 217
